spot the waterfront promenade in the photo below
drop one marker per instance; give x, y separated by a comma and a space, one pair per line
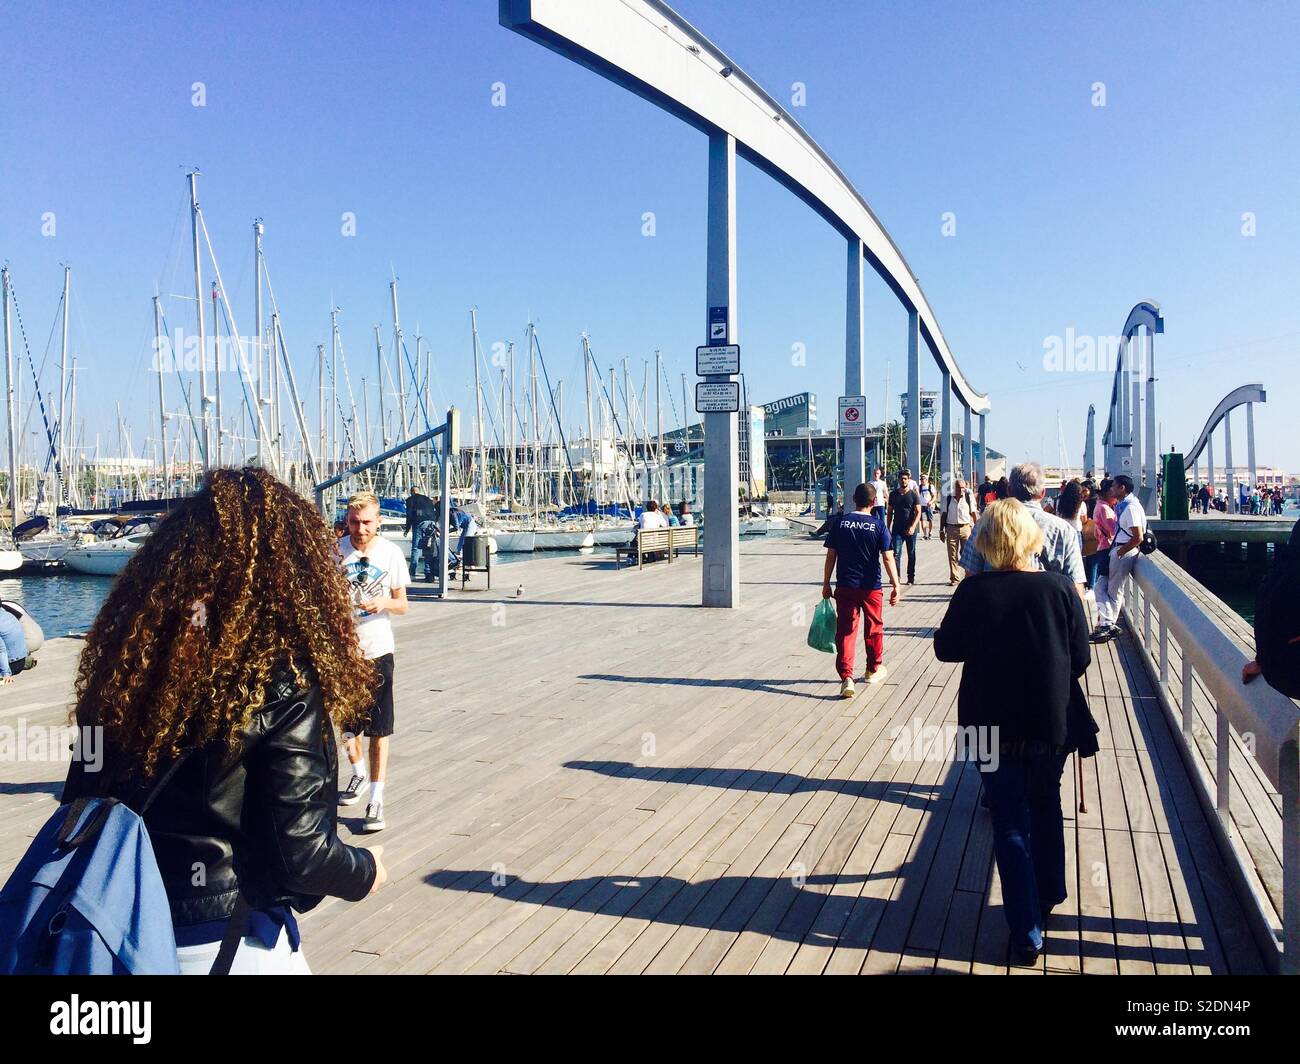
602, 776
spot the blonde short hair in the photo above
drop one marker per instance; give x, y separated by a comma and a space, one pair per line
363, 499
1007, 536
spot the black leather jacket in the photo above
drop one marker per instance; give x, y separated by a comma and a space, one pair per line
262, 821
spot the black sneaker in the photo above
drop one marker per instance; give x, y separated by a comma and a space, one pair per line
1101, 635
353, 793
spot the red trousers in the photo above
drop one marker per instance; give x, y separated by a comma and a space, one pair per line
849, 601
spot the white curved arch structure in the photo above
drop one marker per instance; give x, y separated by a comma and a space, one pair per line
646, 47
1246, 394
1123, 437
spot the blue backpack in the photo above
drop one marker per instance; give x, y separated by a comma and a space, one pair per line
87, 898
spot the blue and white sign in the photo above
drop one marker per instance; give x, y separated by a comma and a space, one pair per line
718, 325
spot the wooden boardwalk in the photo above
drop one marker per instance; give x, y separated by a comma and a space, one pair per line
600, 776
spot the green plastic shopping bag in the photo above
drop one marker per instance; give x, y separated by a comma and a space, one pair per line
821, 635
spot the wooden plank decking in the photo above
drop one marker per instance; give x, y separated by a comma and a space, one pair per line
600, 776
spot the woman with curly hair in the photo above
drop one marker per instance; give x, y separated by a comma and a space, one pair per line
218, 668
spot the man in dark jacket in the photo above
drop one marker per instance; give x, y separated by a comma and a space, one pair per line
421, 524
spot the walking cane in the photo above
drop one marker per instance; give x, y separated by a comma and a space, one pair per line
1083, 803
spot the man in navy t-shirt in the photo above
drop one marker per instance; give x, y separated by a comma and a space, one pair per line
855, 549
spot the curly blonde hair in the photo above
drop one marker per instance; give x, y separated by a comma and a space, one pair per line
239, 582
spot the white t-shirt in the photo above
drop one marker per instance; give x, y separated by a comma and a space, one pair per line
1128, 515
383, 572
687, 519
882, 492
652, 519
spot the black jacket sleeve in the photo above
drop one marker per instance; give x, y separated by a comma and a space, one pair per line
288, 779
952, 640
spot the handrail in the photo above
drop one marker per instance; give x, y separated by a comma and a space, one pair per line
1258, 711
449, 430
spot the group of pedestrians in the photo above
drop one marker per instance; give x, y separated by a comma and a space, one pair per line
1257, 501
1021, 577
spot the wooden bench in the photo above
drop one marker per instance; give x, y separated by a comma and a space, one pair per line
668, 541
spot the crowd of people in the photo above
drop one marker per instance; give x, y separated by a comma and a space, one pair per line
1258, 501
225, 735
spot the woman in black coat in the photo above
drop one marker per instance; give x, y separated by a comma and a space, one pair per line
1023, 638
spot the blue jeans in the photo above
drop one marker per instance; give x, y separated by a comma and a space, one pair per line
1028, 839
901, 538
423, 533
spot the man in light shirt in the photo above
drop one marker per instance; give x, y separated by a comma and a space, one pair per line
882, 494
377, 580
1130, 527
1061, 552
956, 518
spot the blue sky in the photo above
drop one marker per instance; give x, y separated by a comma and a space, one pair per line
1066, 213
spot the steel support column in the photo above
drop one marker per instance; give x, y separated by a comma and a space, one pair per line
854, 448
721, 570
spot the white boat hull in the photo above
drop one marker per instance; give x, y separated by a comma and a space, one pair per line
515, 542
613, 537
46, 551
563, 539
99, 560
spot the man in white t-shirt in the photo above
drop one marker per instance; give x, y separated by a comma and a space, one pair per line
1130, 527
882, 494
377, 579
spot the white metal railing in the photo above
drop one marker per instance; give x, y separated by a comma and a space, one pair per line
1267, 719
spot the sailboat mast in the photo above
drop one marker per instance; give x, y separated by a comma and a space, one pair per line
510, 442
263, 356
216, 367
659, 420
478, 409
320, 355
379, 362
10, 412
162, 400
591, 429
397, 354
61, 464
204, 411
536, 425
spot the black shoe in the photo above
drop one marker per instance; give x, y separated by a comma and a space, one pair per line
1026, 958
1101, 635
352, 794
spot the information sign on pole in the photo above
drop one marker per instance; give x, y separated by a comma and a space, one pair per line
853, 415
717, 397
719, 359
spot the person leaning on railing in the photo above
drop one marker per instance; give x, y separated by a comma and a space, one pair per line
1029, 709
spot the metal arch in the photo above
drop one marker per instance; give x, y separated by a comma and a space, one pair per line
646, 47
1247, 393
1145, 313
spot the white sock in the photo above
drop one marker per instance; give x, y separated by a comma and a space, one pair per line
358, 768
376, 792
